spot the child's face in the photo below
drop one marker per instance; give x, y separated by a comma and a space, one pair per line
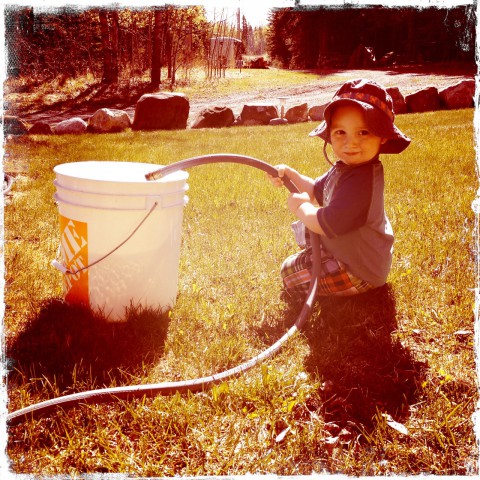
352, 142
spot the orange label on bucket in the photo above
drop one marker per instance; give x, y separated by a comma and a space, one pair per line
74, 248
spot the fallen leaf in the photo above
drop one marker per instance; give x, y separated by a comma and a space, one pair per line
462, 333
331, 443
345, 434
331, 440
279, 438
399, 427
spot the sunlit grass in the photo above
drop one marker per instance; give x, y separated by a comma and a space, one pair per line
246, 81
327, 402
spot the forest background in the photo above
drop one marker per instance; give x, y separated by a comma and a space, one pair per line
162, 45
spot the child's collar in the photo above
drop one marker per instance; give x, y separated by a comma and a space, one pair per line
341, 164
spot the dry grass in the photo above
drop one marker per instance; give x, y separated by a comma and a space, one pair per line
329, 401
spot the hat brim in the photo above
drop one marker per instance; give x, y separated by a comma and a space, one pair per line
378, 123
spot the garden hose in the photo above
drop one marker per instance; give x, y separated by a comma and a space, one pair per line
169, 388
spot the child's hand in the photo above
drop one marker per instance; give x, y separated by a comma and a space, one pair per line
278, 181
296, 199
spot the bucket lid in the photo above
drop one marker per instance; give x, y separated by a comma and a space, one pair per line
114, 177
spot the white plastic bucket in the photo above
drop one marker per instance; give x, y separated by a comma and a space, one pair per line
120, 235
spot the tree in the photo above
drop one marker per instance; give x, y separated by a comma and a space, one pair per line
110, 30
156, 49
326, 36
259, 42
278, 39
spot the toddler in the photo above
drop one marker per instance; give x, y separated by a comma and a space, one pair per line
345, 206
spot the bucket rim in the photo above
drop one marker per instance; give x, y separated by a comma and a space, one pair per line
65, 170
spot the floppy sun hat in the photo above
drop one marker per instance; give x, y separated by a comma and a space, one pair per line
377, 106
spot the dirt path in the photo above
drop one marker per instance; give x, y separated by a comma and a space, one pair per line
316, 92
319, 91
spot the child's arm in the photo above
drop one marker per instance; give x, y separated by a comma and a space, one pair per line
302, 182
300, 205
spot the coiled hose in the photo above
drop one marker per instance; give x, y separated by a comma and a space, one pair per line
169, 388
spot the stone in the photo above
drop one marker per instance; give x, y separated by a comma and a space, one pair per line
278, 121
251, 122
297, 113
41, 128
458, 96
214, 117
161, 111
387, 60
425, 100
13, 125
316, 112
107, 120
362, 57
74, 125
399, 104
261, 113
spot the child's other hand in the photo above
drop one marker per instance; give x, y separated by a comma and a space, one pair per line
296, 199
278, 181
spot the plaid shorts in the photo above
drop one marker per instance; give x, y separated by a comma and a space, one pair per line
334, 278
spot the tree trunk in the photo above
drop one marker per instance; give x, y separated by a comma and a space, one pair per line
115, 28
156, 50
168, 51
110, 45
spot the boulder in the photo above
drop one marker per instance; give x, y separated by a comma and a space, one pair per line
316, 112
387, 60
13, 125
251, 122
424, 100
107, 120
399, 104
297, 113
261, 114
161, 111
73, 125
214, 117
458, 96
362, 57
278, 121
40, 128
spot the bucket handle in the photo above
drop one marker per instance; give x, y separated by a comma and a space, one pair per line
62, 268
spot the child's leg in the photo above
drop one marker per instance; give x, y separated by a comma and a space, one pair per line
334, 279
297, 272
341, 283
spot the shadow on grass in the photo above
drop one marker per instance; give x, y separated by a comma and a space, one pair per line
72, 347
94, 96
364, 370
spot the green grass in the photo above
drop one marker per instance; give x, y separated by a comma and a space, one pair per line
326, 402
248, 80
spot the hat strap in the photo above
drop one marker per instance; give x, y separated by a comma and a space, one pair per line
371, 99
325, 153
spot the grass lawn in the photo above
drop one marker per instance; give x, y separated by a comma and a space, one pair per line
384, 383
